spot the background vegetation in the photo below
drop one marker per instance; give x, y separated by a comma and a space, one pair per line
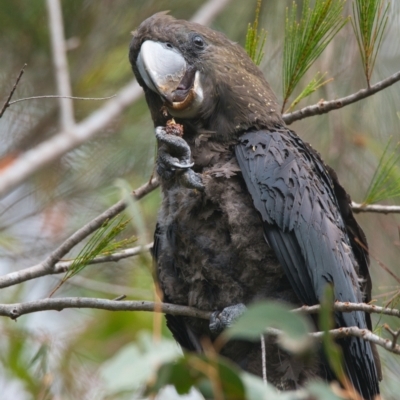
94, 354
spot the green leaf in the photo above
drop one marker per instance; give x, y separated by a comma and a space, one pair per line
270, 314
255, 41
136, 363
370, 20
204, 373
256, 389
307, 39
321, 390
176, 374
385, 183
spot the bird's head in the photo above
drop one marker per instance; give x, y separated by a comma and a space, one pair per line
201, 77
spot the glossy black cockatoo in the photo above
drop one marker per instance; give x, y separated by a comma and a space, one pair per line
249, 211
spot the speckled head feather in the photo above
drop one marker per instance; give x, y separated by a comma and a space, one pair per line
236, 95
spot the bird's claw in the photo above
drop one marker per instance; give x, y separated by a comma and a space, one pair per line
220, 320
182, 166
191, 180
174, 160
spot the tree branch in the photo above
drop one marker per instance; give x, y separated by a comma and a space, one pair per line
46, 267
8, 103
349, 307
324, 107
56, 25
55, 147
375, 208
362, 334
16, 310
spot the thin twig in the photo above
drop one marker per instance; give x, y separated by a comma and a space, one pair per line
395, 334
122, 297
7, 103
355, 331
63, 266
375, 208
61, 143
108, 288
46, 267
349, 307
324, 107
56, 96
263, 360
379, 262
59, 51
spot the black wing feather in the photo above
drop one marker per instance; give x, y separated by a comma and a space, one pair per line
292, 190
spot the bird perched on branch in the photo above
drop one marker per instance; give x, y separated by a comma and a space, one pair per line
249, 211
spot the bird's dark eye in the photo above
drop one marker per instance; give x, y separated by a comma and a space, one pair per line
198, 41
169, 45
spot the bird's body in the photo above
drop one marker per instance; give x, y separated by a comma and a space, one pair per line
249, 210
211, 254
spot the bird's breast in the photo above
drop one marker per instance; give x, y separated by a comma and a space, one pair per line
213, 249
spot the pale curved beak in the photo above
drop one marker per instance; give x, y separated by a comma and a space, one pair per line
162, 67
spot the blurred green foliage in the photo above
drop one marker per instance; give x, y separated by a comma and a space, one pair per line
83, 354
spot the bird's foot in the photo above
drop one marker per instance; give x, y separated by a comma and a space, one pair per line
174, 160
220, 320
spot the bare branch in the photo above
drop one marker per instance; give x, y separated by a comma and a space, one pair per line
375, 208
59, 50
349, 307
8, 103
324, 107
16, 310
362, 334
55, 147
46, 267
339, 333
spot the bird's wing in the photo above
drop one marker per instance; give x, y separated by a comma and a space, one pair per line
293, 192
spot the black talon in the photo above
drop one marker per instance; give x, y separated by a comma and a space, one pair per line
191, 180
182, 166
224, 319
